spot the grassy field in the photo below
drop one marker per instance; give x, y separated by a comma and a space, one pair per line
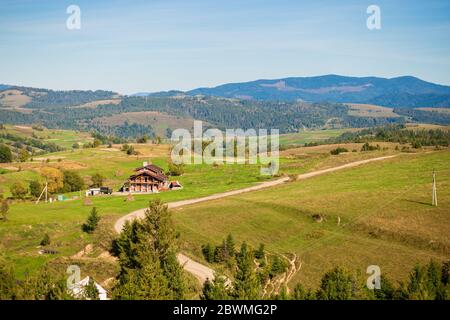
63, 138
384, 207
21, 234
27, 224
371, 111
300, 138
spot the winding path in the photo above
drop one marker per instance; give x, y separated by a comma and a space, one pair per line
200, 271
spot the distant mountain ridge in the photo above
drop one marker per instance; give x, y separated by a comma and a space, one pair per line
405, 91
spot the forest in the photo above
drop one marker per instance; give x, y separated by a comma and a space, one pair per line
222, 113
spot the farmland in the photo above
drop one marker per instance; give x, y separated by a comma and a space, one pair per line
279, 217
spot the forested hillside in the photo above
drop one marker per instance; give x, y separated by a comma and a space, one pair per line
403, 91
220, 112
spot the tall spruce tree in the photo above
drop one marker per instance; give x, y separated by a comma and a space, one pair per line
147, 255
246, 285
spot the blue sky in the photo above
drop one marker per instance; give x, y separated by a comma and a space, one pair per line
132, 46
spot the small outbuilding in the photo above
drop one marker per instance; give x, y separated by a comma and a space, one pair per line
175, 185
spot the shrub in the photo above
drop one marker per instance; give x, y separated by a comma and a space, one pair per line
368, 147
5, 154
72, 181
97, 180
23, 155
338, 150
19, 190
176, 169
35, 188
45, 240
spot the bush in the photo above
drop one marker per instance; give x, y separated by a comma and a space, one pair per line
96, 143
368, 147
338, 150
5, 154
45, 240
19, 190
176, 169
72, 181
92, 221
35, 188
129, 150
97, 180
23, 155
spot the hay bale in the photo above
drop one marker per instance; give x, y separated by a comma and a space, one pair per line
130, 197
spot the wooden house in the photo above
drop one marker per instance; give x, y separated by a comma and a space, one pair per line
148, 178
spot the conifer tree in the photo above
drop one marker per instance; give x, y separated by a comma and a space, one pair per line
246, 284
92, 221
147, 255
215, 289
336, 284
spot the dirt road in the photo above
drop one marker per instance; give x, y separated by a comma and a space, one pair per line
203, 272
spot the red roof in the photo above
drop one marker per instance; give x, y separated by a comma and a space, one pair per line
150, 167
157, 176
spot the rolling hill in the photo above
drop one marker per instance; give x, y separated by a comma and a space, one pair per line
405, 91
288, 104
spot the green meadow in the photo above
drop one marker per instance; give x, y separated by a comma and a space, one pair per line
385, 213
279, 217
300, 138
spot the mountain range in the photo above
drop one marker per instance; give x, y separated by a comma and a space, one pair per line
405, 91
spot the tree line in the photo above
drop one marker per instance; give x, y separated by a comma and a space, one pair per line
396, 133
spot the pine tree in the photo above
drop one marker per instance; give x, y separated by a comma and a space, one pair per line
246, 284
300, 293
336, 284
92, 221
147, 255
215, 289
230, 245
209, 252
434, 276
260, 253
417, 287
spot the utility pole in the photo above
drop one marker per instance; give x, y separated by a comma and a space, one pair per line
434, 198
44, 190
